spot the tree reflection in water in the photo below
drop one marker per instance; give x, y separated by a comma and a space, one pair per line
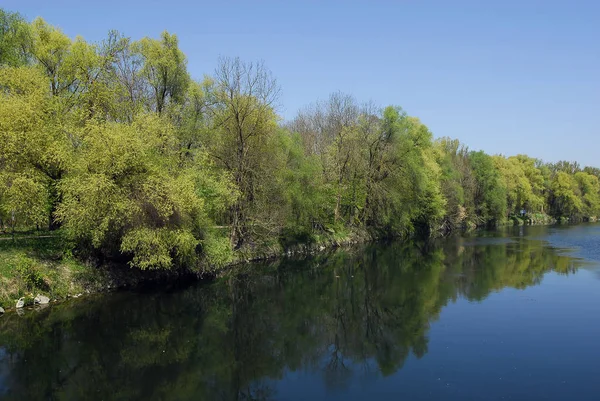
351, 314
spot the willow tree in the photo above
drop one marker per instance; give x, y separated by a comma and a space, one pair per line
128, 194
519, 192
535, 176
32, 144
77, 87
414, 200
589, 189
14, 35
343, 153
31, 155
564, 196
163, 70
490, 193
51, 50
191, 118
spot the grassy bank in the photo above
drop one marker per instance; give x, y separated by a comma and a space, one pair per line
41, 263
34, 263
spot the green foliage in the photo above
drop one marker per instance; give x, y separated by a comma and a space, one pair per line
128, 194
14, 34
137, 162
23, 201
217, 250
589, 189
51, 49
490, 196
159, 248
564, 198
456, 182
164, 69
29, 273
305, 191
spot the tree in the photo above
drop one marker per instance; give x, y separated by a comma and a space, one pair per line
519, 193
304, 190
490, 193
23, 200
564, 199
51, 50
589, 189
457, 183
163, 69
419, 204
243, 116
329, 130
14, 36
131, 93
33, 145
128, 194
534, 174
565, 166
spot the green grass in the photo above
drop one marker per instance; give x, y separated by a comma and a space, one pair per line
39, 263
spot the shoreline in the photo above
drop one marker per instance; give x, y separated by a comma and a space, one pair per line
114, 277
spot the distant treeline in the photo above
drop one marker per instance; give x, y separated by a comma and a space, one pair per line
115, 144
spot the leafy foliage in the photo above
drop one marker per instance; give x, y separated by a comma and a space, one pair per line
116, 144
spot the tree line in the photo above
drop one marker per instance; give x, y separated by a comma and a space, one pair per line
115, 144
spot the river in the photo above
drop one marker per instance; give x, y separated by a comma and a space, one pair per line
512, 314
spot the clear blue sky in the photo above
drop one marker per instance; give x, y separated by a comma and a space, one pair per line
503, 76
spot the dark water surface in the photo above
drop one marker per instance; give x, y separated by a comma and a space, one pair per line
509, 315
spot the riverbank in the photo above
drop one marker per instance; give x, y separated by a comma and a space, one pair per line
408, 297
38, 264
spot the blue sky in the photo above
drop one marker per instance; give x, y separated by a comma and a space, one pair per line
503, 76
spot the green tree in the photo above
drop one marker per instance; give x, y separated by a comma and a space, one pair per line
457, 183
128, 194
564, 197
14, 37
490, 193
33, 142
163, 69
589, 188
243, 122
535, 198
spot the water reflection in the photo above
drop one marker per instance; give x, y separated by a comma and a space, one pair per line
342, 316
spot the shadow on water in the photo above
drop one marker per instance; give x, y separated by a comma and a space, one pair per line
348, 314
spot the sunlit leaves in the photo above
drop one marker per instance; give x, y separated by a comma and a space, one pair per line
164, 69
127, 193
143, 164
14, 38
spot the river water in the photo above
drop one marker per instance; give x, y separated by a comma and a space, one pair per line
505, 315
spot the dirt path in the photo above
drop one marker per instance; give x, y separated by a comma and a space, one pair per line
27, 237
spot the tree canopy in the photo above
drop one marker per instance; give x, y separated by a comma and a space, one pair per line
116, 144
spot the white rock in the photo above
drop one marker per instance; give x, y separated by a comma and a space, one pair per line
41, 299
1, 310
20, 303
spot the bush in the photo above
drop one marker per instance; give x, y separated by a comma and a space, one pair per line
30, 274
217, 250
